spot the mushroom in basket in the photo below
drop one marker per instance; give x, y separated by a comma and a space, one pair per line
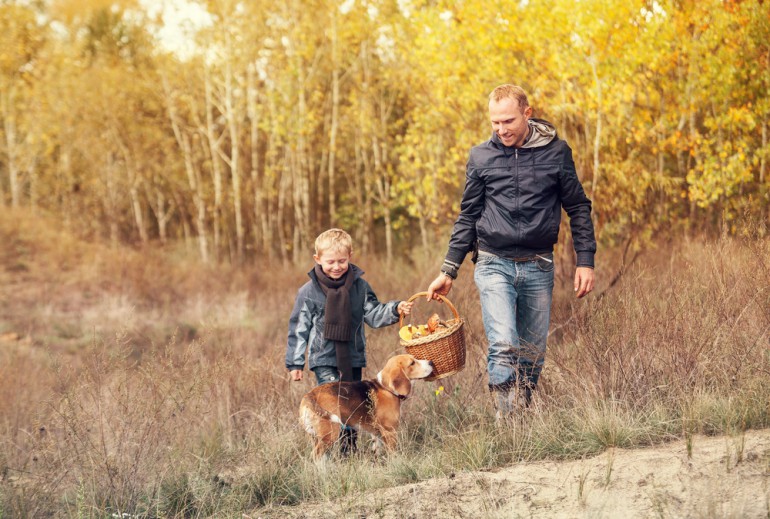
410, 331
434, 323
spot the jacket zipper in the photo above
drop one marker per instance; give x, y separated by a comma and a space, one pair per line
518, 193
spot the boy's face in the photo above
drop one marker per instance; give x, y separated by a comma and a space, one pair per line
334, 263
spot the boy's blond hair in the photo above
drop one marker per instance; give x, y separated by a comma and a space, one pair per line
333, 239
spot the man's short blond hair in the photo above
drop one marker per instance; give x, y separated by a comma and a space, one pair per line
509, 91
335, 240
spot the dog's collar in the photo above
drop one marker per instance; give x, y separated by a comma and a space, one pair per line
400, 397
386, 388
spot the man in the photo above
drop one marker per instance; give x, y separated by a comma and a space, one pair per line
516, 184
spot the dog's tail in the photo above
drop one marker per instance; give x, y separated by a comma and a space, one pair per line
306, 418
310, 407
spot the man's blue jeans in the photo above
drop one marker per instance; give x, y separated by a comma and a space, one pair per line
516, 309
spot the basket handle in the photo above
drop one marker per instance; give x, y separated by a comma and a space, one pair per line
423, 294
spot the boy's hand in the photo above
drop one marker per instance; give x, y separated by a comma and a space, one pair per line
296, 375
405, 307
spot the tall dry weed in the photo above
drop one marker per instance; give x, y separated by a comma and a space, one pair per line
139, 382
697, 319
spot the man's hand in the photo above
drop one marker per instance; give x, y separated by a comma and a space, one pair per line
296, 375
440, 286
584, 281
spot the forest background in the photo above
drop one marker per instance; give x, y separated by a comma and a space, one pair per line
268, 122
159, 198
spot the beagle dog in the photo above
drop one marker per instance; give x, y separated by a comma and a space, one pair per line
373, 406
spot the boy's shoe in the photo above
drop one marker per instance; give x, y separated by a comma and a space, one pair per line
348, 441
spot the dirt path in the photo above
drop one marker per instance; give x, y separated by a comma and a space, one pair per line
723, 477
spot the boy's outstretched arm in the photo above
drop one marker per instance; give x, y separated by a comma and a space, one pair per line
378, 314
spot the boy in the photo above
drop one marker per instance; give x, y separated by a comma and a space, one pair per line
326, 324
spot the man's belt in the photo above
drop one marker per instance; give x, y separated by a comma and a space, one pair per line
517, 259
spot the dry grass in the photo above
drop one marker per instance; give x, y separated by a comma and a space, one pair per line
136, 382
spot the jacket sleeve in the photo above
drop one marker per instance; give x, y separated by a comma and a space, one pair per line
471, 206
299, 334
378, 314
578, 208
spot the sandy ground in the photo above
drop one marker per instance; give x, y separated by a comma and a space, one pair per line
722, 477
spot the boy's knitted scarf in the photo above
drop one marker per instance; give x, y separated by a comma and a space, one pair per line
338, 320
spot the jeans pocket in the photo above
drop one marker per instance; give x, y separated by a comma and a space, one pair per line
545, 262
325, 374
485, 259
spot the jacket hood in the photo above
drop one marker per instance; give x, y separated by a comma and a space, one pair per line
542, 133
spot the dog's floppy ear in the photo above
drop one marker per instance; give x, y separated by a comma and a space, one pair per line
401, 383
394, 377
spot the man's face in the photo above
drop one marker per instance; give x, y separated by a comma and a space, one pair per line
509, 121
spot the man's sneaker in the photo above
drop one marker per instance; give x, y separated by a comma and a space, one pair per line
511, 404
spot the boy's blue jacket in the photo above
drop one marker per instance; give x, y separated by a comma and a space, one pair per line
306, 324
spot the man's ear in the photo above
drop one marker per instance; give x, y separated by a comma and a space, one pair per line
317, 258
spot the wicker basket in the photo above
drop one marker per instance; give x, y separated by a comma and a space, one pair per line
445, 347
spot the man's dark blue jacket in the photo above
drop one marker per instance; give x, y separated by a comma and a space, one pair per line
513, 199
